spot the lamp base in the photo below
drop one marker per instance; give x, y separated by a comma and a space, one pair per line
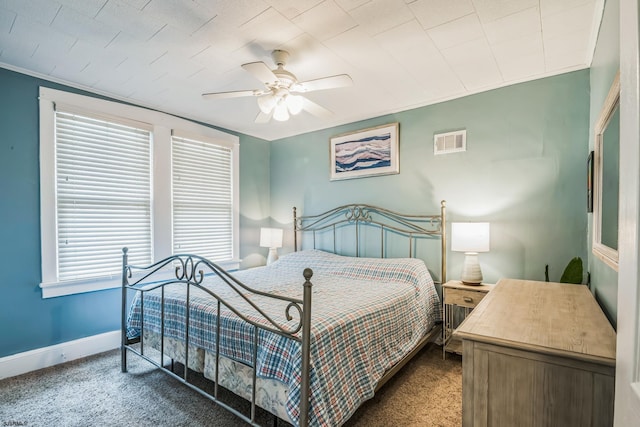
471, 272
273, 255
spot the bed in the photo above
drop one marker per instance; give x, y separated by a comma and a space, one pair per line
307, 338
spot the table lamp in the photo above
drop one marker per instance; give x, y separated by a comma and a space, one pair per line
470, 238
271, 238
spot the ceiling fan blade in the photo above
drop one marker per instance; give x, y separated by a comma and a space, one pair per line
315, 109
341, 80
260, 71
263, 118
232, 94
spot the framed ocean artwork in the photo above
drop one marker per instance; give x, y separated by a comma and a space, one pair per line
367, 152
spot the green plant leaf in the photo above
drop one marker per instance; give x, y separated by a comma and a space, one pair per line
573, 272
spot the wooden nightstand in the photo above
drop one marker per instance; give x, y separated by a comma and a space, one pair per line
457, 294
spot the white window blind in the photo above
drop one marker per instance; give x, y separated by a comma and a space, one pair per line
202, 198
103, 195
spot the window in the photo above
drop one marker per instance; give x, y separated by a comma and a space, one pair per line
202, 198
103, 201
106, 182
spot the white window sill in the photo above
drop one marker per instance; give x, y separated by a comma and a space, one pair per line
71, 287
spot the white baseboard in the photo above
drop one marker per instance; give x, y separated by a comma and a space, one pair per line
44, 357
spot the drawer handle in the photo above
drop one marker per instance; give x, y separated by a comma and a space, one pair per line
467, 299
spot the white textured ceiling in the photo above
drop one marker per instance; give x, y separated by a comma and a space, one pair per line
401, 54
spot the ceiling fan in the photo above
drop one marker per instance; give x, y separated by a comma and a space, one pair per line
278, 99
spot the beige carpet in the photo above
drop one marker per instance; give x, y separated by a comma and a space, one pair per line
426, 392
93, 392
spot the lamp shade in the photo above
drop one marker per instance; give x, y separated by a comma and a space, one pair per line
267, 103
294, 104
271, 237
470, 236
281, 113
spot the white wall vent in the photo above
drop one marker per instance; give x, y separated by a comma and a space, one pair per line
450, 142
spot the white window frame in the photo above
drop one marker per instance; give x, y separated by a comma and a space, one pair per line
162, 125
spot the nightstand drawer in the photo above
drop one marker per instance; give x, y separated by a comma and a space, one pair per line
463, 297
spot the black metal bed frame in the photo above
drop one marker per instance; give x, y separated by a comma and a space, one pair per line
359, 215
190, 270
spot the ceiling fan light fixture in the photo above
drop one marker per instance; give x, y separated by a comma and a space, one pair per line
281, 113
267, 103
294, 104
276, 100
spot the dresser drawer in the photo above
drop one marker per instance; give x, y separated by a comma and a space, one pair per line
463, 297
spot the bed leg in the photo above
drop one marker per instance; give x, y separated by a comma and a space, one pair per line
173, 367
123, 359
123, 309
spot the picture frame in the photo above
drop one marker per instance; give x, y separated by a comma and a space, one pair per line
364, 153
590, 161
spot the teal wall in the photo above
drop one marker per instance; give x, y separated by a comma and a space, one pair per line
26, 320
524, 171
255, 203
605, 65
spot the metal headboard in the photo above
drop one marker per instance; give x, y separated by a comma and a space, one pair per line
357, 215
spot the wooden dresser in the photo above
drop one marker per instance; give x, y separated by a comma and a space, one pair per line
537, 354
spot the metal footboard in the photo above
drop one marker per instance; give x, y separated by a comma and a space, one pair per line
189, 271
